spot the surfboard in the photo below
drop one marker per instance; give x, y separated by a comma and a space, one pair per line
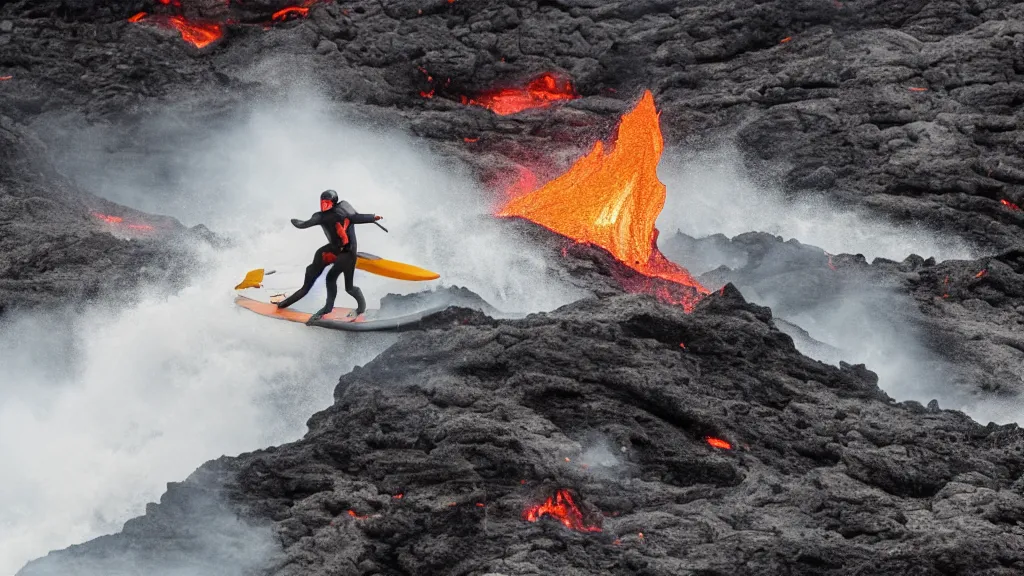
264, 302
393, 269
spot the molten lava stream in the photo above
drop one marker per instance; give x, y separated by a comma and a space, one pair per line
563, 509
539, 93
612, 200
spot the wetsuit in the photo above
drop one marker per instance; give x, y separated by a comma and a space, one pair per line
339, 251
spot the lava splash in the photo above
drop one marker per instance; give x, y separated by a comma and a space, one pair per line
539, 93
563, 509
612, 200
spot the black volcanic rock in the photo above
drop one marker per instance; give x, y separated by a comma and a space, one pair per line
909, 109
474, 423
969, 312
55, 246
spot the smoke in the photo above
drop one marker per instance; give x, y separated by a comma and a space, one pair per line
268, 164
859, 323
100, 407
708, 193
215, 540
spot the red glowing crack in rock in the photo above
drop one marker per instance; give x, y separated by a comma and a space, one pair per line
563, 509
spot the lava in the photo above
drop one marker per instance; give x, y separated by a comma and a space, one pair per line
199, 34
917, 89
539, 93
563, 509
718, 443
980, 274
612, 200
785, 40
4, 78
526, 182
1013, 207
120, 221
353, 514
282, 14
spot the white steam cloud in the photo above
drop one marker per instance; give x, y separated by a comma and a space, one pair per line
709, 193
99, 408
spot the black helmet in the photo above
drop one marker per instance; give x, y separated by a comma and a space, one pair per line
328, 200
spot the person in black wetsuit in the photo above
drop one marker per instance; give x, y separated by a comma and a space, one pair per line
336, 219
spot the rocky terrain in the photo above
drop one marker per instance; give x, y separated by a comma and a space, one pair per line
700, 443
433, 452
968, 313
59, 244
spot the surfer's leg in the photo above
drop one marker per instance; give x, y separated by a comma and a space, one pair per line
313, 272
332, 286
350, 287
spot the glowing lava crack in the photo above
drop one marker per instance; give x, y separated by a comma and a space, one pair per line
612, 200
563, 509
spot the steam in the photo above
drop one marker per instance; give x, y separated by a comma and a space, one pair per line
98, 410
860, 324
100, 407
215, 541
708, 193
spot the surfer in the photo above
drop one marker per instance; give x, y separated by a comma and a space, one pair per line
336, 219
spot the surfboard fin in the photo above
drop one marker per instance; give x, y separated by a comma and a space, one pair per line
253, 279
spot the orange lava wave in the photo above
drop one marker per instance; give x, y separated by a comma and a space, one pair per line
612, 200
563, 509
539, 93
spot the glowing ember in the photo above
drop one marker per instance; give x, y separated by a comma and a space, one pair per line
540, 93
353, 514
563, 509
120, 221
470, 140
785, 40
916, 89
107, 218
479, 504
526, 182
612, 200
427, 94
3, 78
718, 443
199, 34
682, 345
398, 496
980, 274
1010, 205
282, 14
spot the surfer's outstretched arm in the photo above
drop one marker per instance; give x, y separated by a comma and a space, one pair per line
363, 218
314, 220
